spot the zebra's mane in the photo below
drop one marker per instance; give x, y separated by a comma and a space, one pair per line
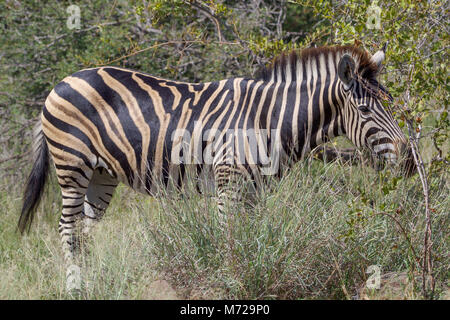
287, 62
366, 69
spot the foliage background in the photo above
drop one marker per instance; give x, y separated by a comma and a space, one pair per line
204, 40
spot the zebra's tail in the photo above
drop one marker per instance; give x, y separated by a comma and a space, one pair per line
36, 180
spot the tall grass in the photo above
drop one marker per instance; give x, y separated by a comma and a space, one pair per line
313, 235
310, 235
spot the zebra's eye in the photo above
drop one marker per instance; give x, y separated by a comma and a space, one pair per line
364, 109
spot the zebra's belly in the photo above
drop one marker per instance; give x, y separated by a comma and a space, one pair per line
177, 179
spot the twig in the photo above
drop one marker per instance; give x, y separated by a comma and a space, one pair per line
427, 266
160, 45
416, 257
427, 261
17, 156
6, 94
344, 289
58, 37
210, 15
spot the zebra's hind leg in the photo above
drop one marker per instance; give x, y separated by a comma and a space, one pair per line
85, 199
96, 201
74, 185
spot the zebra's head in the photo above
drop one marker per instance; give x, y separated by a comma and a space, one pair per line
367, 120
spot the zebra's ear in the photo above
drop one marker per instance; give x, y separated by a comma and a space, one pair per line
346, 69
379, 56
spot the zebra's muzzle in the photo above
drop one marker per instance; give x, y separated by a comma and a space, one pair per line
406, 159
397, 153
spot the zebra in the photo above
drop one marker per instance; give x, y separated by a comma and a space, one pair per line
106, 125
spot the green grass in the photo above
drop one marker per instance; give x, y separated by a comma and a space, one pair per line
312, 235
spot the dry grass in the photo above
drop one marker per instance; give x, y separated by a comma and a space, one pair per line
313, 235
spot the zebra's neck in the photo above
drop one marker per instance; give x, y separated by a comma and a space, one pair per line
308, 108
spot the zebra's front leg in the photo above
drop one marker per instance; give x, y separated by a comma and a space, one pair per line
226, 178
227, 185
